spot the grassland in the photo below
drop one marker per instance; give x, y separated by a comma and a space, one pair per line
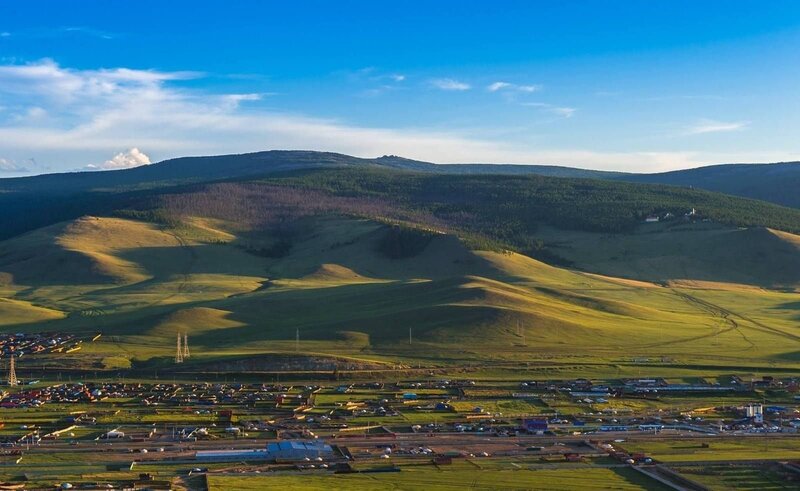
746, 448
459, 475
701, 254
726, 477
140, 283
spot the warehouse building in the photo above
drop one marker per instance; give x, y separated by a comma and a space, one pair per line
290, 450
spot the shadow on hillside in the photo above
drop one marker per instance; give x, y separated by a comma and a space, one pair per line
43, 265
793, 306
196, 259
789, 356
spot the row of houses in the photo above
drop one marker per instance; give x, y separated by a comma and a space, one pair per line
26, 344
586, 388
151, 394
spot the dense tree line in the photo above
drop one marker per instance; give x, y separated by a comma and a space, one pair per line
507, 206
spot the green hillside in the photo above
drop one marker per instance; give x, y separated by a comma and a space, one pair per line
684, 253
350, 300
383, 267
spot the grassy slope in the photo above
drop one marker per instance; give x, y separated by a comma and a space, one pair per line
685, 254
347, 299
85, 251
459, 475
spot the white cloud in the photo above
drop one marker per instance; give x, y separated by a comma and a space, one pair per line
375, 83
233, 101
449, 84
565, 112
9, 166
30, 115
711, 126
87, 31
46, 79
123, 160
244, 97
90, 115
372, 74
498, 86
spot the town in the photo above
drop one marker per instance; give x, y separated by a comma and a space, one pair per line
159, 435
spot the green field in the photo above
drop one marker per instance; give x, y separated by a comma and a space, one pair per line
139, 284
745, 448
456, 476
724, 477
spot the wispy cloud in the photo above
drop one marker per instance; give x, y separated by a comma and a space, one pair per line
89, 31
449, 84
371, 73
46, 79
563, 111
498, 86
712, 126
88, 116
567, 112
373, 82
508, 86
9, 166
60, 32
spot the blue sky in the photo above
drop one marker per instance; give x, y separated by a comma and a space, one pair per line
638, 85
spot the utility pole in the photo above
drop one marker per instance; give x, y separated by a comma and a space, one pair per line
179, 351
297, 340
409, 336
186, 346
12, 374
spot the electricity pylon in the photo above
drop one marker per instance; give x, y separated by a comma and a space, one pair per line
12, 374
179, 351
186, 353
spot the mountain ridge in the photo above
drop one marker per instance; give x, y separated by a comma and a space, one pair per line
773, 182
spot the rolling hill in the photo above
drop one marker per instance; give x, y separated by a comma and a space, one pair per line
352, 301
357, 256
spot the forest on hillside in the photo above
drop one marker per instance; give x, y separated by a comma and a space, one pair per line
489, 211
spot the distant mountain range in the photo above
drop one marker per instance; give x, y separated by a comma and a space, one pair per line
508, 199
777, 183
